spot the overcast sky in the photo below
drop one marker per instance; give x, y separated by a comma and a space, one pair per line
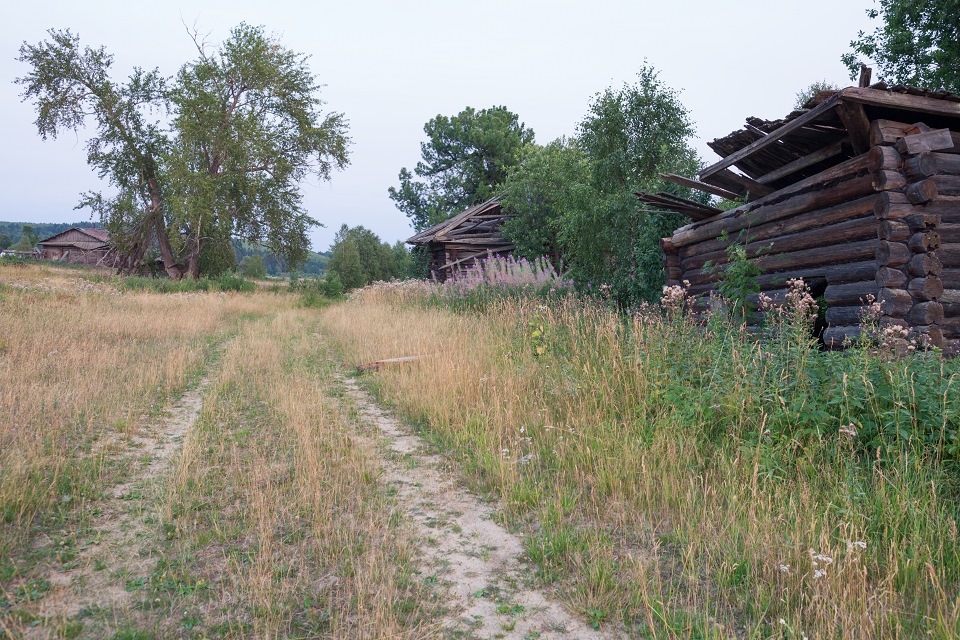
391, 66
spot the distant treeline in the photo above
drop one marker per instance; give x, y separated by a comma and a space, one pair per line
11, 232
316, 263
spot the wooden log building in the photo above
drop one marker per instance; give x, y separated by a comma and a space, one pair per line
80, 245
858, 194
459, 242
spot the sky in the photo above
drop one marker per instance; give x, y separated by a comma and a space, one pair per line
390, 66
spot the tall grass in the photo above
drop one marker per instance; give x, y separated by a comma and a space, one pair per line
80, 368
269, 522
314, 549
692, 482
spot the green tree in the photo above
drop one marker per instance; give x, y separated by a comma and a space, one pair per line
574, 200
359, 257
802, 97
253, 266
28, 239
345, 260
463, 162
551, 185
4, 241
917, 44
246, 129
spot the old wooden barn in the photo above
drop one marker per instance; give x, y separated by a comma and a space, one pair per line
459, 242
858, 194
80, 245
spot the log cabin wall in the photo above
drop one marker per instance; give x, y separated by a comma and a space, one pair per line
883, 223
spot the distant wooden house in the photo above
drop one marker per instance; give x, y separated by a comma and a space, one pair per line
858, 194
459, 242
80, 245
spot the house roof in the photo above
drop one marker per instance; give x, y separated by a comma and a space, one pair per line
832, 127
83, 238
96, 237
473, 222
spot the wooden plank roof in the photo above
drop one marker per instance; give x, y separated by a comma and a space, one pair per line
79, 236
478, 220
831, 128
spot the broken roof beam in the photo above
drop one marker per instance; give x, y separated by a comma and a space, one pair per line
905, 101
699, 186
802, 163
854, 118
749, 188
774, 136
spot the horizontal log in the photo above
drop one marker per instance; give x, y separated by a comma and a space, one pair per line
947, 207
893, 231
703, 281
947, 162
923, 191
889, 180
950, 277
842, 232
925, 313
802, 196
886, 132
934, 140
895, 303
922, 221
879, 158
825, 255
924, 264
924, 241
845, 316
892, 254
839, 337
920, 166
673, 273
949, 232
951, 298
949, 255
947, 185
832, 274
888, 277
891, 205
838, 295
926, 288
759, 233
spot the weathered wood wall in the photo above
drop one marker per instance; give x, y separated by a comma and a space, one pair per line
885, 224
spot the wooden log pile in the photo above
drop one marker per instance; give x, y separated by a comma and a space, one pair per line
882, 225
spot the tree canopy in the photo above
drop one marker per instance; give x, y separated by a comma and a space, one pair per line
358, 257
463, 162
917, 44
574, 199
218, 151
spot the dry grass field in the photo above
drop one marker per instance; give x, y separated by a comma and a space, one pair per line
175, 465
672, 482
203, 465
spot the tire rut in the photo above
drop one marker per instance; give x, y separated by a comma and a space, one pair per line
477, 562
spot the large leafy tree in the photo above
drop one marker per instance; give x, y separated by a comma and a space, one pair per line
218, 151
918, 43
575, 199
464, 161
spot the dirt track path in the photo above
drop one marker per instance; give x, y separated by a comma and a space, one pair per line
124, 543
476, 560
